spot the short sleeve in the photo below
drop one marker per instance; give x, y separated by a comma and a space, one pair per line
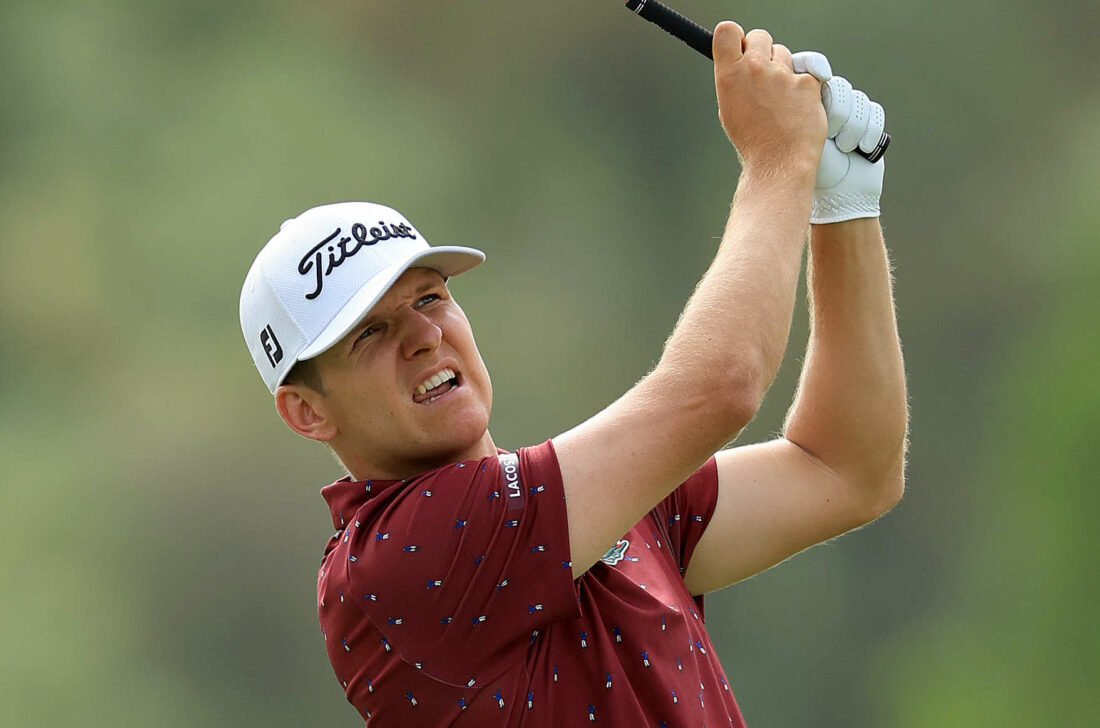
464, 566
685, 513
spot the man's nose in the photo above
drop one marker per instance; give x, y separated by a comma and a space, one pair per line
419, 335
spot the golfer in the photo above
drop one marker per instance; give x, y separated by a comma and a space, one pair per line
562, 584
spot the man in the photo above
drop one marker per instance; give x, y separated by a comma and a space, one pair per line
563, 584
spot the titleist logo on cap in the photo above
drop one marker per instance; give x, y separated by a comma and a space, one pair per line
339, 251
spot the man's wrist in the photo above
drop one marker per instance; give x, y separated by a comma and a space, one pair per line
854, 229
794, 173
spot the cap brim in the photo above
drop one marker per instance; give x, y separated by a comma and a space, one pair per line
448, 260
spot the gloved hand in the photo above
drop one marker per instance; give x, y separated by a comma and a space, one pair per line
848, 186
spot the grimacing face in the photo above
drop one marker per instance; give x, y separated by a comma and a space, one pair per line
384, 425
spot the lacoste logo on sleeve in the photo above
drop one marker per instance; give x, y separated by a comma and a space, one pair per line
513, 486
271, 346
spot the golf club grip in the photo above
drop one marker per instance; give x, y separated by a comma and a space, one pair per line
674, 24
701, 39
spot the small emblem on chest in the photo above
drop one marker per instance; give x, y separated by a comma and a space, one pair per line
616, 553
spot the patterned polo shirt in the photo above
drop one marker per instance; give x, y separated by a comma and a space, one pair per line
447, 599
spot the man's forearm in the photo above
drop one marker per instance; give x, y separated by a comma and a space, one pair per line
734, 329
851, 410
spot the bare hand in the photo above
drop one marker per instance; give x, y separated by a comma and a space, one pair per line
773, 116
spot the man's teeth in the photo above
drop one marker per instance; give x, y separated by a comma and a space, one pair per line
435, 380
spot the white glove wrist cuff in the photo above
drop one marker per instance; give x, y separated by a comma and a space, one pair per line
841, 207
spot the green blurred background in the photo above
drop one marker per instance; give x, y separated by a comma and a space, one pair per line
161, 527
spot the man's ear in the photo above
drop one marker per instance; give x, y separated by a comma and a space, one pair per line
305, 412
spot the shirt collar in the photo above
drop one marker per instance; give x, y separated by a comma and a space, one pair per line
346, 496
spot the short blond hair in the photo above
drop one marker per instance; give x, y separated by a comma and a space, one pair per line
306, 373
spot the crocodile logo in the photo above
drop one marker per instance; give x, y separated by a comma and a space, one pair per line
616, 553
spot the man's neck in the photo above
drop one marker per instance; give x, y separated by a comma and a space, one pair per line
363, 469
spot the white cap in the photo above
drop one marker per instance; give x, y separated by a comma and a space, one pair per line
321, 274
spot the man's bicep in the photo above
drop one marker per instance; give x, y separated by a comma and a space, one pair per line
774, 500
621, 463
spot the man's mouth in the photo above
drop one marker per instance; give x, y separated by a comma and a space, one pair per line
436, 386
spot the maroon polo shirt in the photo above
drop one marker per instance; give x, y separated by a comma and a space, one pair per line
447, 599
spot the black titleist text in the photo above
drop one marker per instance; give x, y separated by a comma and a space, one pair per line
331, 253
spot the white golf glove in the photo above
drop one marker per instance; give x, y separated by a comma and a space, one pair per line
847, 186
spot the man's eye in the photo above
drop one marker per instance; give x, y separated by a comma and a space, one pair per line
425, 300
365, 333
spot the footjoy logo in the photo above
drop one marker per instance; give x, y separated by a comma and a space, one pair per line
271, 346
333, 252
